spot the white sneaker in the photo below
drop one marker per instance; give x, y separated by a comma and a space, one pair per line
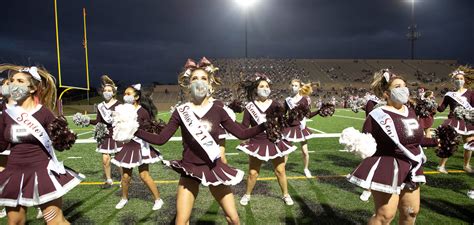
3, 212
245, 200
121, 204
468, 169
365, 195
287, 199
158, 204
441, 169
40, 214
470, 194
307, 173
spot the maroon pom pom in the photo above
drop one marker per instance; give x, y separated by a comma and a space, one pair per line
154, 126
327, 109
298, 113
449, 140
237, 106
276, 121
61, 136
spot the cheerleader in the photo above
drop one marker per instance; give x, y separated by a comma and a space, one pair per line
395, 171
107, 146
260, 148
464, 98
427, 121
199, 121
137, 152
297, 130
33, 175
372, 101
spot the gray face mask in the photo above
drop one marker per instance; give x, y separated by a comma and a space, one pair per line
199, 89
128, 99
400, 95
5, 90
263, 92
19, 92
295, 90
459, 83
107, 95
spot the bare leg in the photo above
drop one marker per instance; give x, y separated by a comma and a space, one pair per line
409, 206
223, 195
148, 181
188, 190
304, 151
16, 216
126, 178
106, 165
385, 208
254, 169
280, 172
52, 212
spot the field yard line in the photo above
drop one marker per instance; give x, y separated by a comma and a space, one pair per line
349, 117
319, 131
87, 114
88, 132
268, 178
323, 135
232, 153
440, 117
163, 113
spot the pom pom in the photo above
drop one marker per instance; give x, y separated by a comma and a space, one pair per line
154, 126
81, 120
298, 113
425, 107
357, 105
237, 106
327, 109
276, 121
61, 136
380, 104
125, 122
360, 144
464, 114
100, 132
449, 141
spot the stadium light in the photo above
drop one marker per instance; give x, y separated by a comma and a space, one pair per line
413, 34
245, 3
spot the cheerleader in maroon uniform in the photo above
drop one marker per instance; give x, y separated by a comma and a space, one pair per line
260, 148
426, 122
394, 172
199, 121
463, 98
372, 101
108, 145
33, 176
297, 130
137, 152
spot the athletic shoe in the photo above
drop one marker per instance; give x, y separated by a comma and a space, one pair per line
121, 204
307, 173
470, 194
468, 169
365, 195
158, 204
40, 213
3, 213
245, 200
441, 169
287, 199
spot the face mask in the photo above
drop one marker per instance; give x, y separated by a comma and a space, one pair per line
459, 83
5, 90
400, 95
128, 99
263, 92
199, 89
295, 89
19, 92
108, 95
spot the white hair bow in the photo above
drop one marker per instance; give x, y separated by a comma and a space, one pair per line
33, 71
137, 86
457, 72
386, 75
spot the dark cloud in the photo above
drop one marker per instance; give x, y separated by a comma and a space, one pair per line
149, 40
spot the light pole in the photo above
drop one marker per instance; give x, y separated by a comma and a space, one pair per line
412, 34
246, 4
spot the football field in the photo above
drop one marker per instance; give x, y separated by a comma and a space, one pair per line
325, 199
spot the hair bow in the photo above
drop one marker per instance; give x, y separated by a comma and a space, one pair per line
457, 72
387, 75
33, 71
137, 86
261, 76
203, 64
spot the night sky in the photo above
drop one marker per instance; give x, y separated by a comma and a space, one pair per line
150, 40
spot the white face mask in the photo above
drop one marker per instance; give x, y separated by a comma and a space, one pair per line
400, 95
108, 95
128, 99
459, 83
19, 92
263, 92
199, 89
295, 89
5, 91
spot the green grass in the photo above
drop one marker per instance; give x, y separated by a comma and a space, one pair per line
327, 199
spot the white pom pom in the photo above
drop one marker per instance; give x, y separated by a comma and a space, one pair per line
124, 122
361, 144
80, 120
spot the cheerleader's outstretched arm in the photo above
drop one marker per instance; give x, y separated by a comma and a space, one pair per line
443, 105
165, 134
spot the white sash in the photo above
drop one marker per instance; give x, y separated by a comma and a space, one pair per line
255, 113
459, 99
105, 113
386, 123
292, 105
199, 133
34, 127
145, 146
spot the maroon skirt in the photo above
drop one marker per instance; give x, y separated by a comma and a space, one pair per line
216, 174
426, 122
109, 146
266, 150
386, 174
32, 184
296, 134
460, 126
132, 156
